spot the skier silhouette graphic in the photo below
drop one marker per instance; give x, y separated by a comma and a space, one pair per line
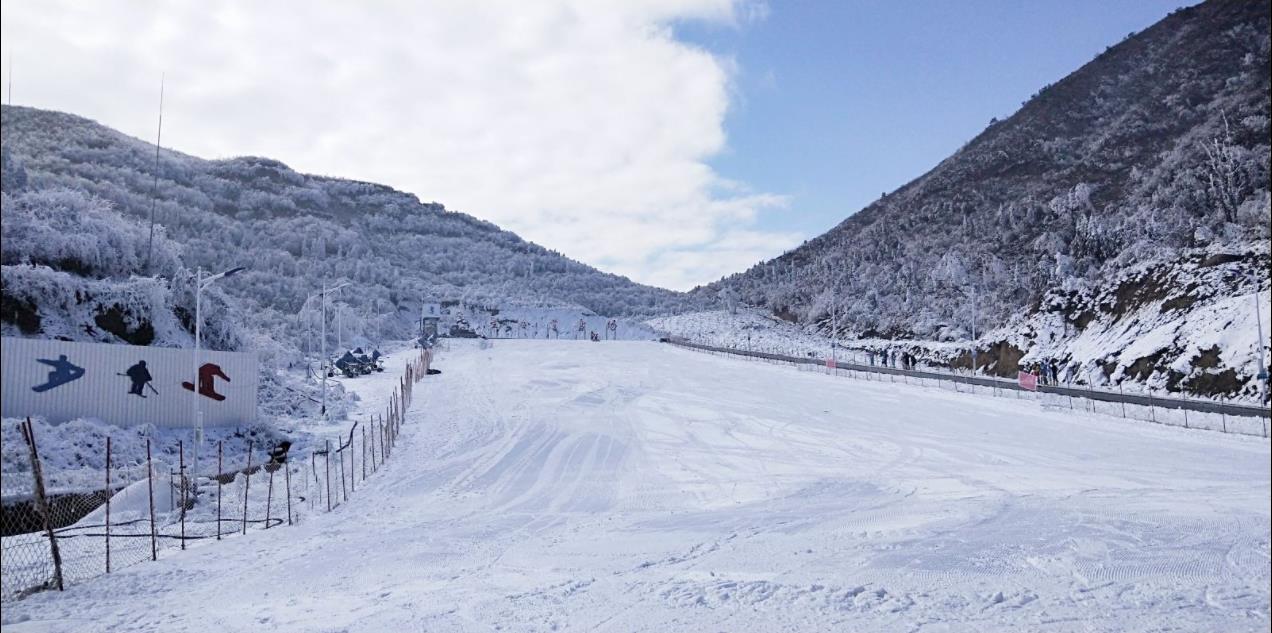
208, 373
140, 377
64, 371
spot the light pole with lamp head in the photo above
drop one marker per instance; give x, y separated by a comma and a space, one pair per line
309, 331
1262, 376
975, 300
323, 364
834, 325
337, 308
975, 292
199, 284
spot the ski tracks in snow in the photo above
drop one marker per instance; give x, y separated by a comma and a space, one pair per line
634, 487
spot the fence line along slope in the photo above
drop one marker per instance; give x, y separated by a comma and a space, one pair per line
85, 498
637, 487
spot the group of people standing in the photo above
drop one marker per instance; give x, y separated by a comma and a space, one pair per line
1047, 370
496, 328
891, 358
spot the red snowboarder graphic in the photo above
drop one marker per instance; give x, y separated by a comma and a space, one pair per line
208, 373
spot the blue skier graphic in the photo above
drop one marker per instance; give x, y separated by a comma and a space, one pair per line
64, 371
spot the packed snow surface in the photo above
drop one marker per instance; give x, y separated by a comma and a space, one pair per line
633, 486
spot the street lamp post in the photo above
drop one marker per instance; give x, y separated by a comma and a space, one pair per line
975, 297
339, 326
835, 326
1263, 370
323, 364
199, 284
308, 333
309, 343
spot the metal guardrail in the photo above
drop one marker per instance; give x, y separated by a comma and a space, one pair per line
1148, 400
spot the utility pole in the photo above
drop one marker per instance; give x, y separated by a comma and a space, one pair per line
1258, 319
834, 322
199, 284
194, 380
975, 298
339, 327
154, 192
309, 343
324, 363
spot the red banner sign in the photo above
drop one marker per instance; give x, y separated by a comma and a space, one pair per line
1027, 381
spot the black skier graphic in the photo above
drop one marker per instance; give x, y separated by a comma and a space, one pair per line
140, 377
64, 371
208, 373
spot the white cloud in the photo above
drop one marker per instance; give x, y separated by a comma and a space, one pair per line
583, 126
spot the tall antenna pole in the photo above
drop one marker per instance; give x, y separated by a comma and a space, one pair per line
9, 96
834, 322
1258, 319
154, 192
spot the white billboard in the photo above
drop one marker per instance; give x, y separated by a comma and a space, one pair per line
126, 384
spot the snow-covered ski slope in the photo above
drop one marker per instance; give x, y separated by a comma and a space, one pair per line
633, 486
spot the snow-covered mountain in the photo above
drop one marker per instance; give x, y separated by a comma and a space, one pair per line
292, 230
1117, 223
1150, 163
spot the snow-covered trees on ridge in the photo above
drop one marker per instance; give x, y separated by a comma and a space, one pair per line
75, 269
78, 195
1159, 145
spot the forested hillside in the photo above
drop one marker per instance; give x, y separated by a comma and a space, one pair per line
77, 196
1156, 147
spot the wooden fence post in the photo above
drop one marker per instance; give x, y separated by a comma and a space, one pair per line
287, 479
37, 473
150, 486
108, 496
371, 423
344, 489
219, 485
181, 461
313, 470
247, 485
269, 497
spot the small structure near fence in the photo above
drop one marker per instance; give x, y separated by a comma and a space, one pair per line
144, 508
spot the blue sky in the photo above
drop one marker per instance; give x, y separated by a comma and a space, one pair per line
837, 102
672, 155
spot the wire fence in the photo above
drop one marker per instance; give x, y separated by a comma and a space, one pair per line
139, 508
1182, 412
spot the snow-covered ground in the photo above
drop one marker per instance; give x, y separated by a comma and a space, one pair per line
633, 486
513, 320
1227, 328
